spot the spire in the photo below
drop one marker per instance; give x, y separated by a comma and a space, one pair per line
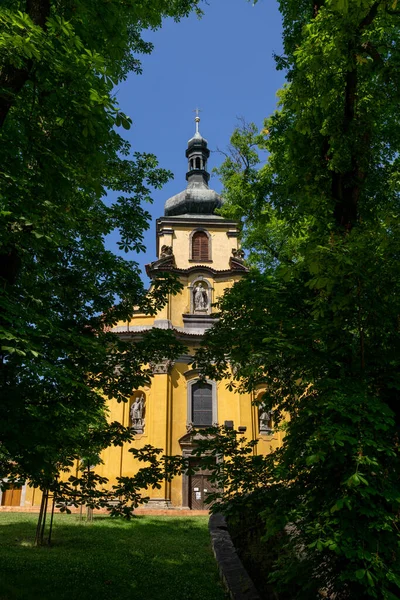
197, 121
197, 154
197, 199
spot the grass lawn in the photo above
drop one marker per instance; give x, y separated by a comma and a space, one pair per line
148, 558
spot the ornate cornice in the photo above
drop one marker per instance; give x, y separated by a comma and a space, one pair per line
163, 367
215, 221
235, 264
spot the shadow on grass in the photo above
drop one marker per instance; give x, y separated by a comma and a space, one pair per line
148, 558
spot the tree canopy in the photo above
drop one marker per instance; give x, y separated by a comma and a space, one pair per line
61, 153
316, 322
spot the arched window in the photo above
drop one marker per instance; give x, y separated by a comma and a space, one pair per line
197, 163
202, 404
200, 246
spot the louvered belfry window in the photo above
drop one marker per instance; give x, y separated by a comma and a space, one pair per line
200, 246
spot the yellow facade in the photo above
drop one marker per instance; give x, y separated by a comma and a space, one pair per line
167, 412
165, 420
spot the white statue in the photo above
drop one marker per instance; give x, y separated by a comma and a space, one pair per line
200, 297
137, 409
265, 420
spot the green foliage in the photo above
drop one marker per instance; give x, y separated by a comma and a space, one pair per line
241, 472
89, 489
109, 559
62, 290
316, 321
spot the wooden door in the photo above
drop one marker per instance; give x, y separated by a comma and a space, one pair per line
200, 486
11, 496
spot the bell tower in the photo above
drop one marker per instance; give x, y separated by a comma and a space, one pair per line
197, 154
197, 200
201, 248
197, 244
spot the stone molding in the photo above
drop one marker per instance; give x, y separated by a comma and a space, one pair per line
158, 503
162, 368
187, 220
166, 231
235, 265
191, 373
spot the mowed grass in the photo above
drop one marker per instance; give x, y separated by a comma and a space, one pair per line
148, 558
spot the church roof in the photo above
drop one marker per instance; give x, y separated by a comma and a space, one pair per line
140, 329
197, 138
197, 198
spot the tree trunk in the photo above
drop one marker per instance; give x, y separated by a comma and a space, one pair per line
41, 519
51, 519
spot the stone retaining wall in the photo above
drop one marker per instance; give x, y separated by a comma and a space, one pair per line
232, 571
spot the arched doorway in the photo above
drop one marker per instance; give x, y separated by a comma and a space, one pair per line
195, 487
199, 487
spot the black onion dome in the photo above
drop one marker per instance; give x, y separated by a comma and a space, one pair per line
197, 198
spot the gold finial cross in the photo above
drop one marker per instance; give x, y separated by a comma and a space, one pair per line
197, 118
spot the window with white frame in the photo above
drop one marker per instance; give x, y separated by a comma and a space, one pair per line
202, 403
200, 246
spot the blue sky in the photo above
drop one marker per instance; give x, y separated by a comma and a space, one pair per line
223, 64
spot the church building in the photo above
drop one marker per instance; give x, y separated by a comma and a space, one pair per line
202, 248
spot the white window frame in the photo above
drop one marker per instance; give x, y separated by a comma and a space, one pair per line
192, 233
190, 385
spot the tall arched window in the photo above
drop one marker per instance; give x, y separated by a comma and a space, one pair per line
200, 246
202, 405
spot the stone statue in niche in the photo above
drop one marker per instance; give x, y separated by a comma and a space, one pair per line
137, 414
200, 297
265, 419
165, 251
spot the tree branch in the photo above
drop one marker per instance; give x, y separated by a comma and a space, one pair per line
39, 11
344, 188
369, 17
316, 6
11, 82
12, 79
